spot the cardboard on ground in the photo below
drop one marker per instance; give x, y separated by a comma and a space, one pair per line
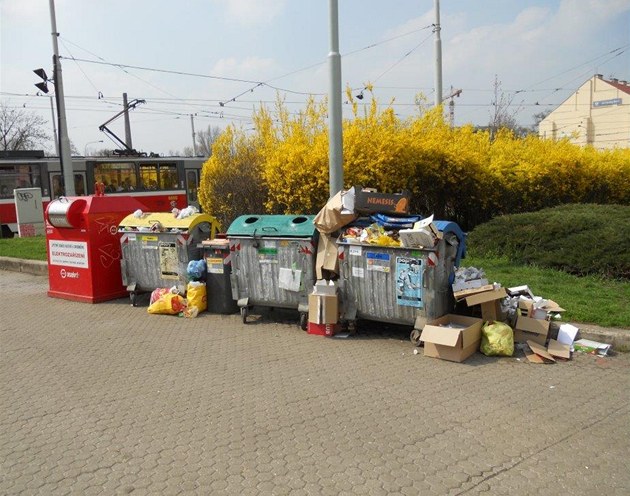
452, 337
558, 349
527, 328
540, 350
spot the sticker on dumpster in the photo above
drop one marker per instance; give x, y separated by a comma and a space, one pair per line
215, 265
409, 282
169, 264
357, 272
68, 253
377, 262
356, 250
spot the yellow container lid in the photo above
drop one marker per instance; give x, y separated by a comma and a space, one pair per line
167, 221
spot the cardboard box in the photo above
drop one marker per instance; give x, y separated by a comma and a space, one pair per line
323, 309
454, 343
527, 328
367, 201
412, 238
489, 301
337, 212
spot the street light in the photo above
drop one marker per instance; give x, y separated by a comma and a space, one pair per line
89, 143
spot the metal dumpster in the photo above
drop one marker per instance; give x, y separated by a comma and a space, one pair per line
273, 261
156, 249
399, 285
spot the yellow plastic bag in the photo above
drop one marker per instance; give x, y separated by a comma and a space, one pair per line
196, 295
497, 339
168, 304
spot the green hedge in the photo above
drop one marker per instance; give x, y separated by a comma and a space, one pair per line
579, 239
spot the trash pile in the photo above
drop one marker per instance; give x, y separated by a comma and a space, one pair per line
512, 319
169, 301
156, 221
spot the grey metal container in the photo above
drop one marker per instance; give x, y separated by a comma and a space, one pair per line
157, 247
273, 262
407, 286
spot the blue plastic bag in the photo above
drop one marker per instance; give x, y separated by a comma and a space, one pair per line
196, 270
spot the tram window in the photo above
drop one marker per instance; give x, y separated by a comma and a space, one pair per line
155, 177
116, 176
18, 176
168, 176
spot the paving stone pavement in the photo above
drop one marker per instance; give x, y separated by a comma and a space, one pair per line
107, 399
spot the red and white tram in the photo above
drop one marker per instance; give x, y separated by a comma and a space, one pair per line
160, 183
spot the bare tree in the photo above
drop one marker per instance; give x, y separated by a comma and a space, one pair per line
204, 140
502, 114
21, 130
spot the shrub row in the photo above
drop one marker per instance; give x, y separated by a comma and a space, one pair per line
458, 174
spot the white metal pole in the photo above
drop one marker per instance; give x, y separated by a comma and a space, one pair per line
192, 124
438, 56
52, 111
65, 155
335, 149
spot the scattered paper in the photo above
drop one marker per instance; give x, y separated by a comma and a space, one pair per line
593, 347
567, 333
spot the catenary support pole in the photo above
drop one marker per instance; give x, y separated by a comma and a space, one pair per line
127, 123
438, 55
335, 150
65, 155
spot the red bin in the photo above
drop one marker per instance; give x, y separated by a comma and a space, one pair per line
84, 247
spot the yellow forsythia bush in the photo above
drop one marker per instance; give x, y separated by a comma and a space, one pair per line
459, 174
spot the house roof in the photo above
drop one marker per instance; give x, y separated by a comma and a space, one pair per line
619, 85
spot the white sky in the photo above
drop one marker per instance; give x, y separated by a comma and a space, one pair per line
540, 51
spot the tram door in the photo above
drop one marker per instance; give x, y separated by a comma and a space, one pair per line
192, 184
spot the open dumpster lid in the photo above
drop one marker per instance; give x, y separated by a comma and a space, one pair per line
167, 220
273, 226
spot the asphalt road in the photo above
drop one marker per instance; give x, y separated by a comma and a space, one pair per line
107, 399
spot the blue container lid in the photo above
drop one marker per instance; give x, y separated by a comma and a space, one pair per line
273, 226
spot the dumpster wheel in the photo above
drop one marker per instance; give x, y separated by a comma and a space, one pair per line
414, 336
244, 314
303, 321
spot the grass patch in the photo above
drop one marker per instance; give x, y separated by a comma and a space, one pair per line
587, 299
33, 248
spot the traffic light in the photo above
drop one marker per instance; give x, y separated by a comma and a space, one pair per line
43, 86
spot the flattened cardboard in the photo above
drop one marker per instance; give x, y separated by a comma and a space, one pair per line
533, 358
551, 306
558, 349
452, 343
540, 350
460, 295
327, 258
527, 328
323, 309
495, 294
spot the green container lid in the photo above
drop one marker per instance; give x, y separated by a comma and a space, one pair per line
273, 226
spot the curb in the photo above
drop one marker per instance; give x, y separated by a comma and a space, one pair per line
619, 338
35, 267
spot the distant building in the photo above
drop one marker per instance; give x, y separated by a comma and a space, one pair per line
597, 114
